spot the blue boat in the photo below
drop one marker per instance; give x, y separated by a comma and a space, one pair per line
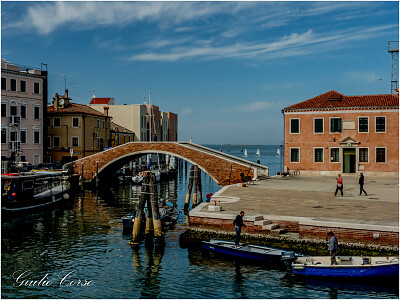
246, 251
350, 267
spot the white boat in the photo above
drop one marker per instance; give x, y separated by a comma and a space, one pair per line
245, 153
278, 152
137, 179
258, 153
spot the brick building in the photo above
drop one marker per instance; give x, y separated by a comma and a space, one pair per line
334, 133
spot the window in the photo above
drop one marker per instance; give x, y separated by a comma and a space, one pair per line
318, 125
3, 110
294, 154
13, 135
98, 123
104, 124
75, 141
13, 109
23, 136
75, 122
381, 155
36, 137
318, 155
4, 135
56, 141
294, 125
13, 85
23, 158
363, 124
363, 155
3, 83
57, 122
36, 88
22, 86
380, 124
336, 125
23, 111
334, 154
36, 112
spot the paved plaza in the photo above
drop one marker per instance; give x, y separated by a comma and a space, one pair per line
312, 198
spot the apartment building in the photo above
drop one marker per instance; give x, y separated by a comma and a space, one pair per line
23, 111
333, 133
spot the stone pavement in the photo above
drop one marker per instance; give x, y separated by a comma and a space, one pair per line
311, 200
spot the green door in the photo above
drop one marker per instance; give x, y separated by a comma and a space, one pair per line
349, 160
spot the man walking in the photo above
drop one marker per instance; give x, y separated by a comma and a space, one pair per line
339, 185
238, 223
332, 247
361, 183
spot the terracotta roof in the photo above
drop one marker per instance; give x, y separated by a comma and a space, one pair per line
100, 101
120, 128
335, 100
74, 108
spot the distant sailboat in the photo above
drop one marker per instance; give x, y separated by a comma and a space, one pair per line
245, 153
258, 153
278, 152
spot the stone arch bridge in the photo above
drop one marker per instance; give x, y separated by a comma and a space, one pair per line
221, 167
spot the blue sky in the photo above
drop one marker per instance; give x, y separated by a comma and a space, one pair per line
227, 68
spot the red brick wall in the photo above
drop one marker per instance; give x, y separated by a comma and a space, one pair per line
219, 169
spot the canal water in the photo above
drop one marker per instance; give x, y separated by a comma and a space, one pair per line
80, 251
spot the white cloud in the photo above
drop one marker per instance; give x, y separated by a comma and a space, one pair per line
366, 77
254, 106
185, 111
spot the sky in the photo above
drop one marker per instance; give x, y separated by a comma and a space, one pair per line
226, 68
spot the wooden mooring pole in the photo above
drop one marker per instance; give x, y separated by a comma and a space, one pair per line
140, 212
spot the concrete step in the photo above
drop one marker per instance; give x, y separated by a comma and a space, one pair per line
262, 222
270, 226
278, 231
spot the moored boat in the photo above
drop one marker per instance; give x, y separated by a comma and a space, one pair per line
348, 267
29, 191
252, 252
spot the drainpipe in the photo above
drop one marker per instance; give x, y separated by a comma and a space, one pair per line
283, 153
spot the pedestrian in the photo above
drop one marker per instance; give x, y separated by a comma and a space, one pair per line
332, 247
238, 223
208, 196
339, 184
361, 183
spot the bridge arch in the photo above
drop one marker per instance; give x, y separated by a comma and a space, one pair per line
222, 168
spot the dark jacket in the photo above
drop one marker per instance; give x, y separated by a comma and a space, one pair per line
238, 221
361, 180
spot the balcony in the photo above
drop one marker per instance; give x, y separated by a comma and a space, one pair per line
15, 146
15, 120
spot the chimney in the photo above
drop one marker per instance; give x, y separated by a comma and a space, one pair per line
66, 93
397, 91
55, 101
106, 108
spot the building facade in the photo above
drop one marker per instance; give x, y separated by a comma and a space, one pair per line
75, 130
120, 135
133, 117
136, 118
333, 133
23, 111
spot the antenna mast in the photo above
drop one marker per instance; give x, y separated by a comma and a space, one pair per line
393, 49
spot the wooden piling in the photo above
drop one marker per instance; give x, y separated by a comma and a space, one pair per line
195, 185
140, 213
189, 191
199, 189
158, 236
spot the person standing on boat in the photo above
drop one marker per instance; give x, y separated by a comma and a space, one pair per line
332, 247
238, 223
339, 185
361, 183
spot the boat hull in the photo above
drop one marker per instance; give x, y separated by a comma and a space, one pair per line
376, 267
264, 254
